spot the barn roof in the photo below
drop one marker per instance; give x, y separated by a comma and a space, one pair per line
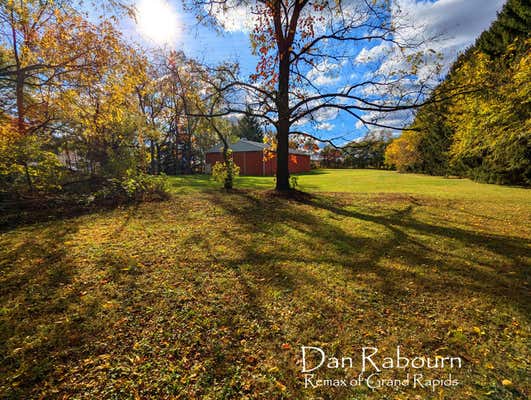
240, 146
244, 145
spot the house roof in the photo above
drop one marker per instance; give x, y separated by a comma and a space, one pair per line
244, 145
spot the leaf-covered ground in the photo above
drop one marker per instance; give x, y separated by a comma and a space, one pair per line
210, 295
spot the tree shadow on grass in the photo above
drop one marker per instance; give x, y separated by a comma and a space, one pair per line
361, 254
432, 292
44, 212
50, 315
516, 250
248, 287
36, 296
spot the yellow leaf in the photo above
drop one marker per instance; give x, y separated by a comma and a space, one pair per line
506, 382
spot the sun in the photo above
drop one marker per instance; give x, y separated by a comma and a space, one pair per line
157, 21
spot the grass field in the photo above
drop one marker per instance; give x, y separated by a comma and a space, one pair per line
365, 181
210, 295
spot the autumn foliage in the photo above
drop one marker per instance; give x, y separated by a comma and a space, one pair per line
484, 134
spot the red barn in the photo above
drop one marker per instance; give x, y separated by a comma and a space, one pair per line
249, 156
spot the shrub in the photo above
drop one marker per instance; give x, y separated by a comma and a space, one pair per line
26, 166
224, 172
138, 187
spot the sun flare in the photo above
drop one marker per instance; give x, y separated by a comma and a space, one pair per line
157, 21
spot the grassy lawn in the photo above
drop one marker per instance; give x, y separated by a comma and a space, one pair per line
210, 295
366, 181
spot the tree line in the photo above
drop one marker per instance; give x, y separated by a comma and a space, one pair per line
484, 134
367, 152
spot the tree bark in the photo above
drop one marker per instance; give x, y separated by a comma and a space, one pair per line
282, 156
283, 124
284, 39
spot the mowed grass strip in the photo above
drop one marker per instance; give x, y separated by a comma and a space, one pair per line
367, 181
211, 294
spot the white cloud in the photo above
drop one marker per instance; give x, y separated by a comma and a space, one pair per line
325, 74
461, 20
447, 26
374, 53
233, 16
443, 29
325, 114
238, 16
320, 115
457, 23
325, 126
395, 119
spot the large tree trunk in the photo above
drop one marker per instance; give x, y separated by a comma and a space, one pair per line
283, 125
282, 156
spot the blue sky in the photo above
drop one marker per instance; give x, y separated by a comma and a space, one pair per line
457, 23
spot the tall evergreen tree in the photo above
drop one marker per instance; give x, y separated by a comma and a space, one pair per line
249, 127
513, 22
486, 134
